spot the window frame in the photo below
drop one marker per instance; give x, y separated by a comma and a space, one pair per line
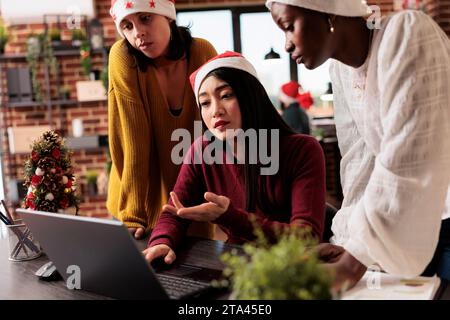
236, 27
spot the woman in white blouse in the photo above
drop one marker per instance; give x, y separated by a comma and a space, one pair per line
391, 86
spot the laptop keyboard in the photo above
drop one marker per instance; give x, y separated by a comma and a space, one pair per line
178, 288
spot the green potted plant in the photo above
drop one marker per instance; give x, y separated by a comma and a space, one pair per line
91, 180
33, 54
286, 270
38, 46
78, 36
318, 133
55, 37
104, 78
85, 58
3, 38
64, 93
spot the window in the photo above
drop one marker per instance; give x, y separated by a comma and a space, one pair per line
200, 22
259, 34
315, 80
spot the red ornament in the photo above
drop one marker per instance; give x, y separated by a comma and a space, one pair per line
30, 201
64, 202
69, 184
34, 156
36, 180
56, 153
129, 5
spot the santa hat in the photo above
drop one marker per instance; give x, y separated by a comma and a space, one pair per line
305, 100
289, 92
122, 8
228, 59
346, 8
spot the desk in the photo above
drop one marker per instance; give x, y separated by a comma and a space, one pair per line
17, 279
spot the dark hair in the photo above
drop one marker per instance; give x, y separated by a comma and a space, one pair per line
257, 112
179, 45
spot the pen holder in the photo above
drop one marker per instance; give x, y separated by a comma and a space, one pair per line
22, 246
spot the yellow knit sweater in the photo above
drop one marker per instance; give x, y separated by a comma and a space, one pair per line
140, 128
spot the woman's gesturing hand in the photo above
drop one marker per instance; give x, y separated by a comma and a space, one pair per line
209, 211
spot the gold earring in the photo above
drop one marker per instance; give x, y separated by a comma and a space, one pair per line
331, 25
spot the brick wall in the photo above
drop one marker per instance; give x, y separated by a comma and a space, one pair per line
441, 13
93, 114
386, 6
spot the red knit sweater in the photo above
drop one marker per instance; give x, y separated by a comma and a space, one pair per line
296, 194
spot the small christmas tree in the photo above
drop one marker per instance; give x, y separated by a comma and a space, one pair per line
49, 176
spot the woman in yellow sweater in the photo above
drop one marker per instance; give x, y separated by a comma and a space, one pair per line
149, 97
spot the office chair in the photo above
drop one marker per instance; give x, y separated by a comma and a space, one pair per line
330, 212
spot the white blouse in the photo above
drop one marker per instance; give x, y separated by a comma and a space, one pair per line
393, 126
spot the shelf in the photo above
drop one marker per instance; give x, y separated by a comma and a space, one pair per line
87, 142
81, 143
23, 104
56, 53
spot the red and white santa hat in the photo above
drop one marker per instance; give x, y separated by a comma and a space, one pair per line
289, 92
122, 8
228, 59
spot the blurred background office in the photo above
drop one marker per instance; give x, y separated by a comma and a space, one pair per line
53, 74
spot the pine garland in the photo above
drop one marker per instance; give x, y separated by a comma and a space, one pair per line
49, 176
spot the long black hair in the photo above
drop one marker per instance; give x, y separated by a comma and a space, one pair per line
179, 45
257, 112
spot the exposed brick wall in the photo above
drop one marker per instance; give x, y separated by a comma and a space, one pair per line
441, 14
95, 122
386, 6
109, 29
93, 114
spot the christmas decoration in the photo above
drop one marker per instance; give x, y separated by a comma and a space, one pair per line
48, 176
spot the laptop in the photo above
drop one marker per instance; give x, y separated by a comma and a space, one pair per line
108, 260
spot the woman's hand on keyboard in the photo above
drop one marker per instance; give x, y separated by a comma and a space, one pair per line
162, 251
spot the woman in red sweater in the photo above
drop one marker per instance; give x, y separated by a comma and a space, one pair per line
235, 195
